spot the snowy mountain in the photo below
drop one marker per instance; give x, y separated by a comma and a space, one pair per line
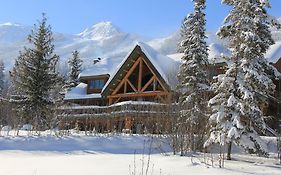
104, 40
101, 31
12, 32
101, 40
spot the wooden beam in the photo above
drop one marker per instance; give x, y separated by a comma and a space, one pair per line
145, 94
126, 76
116, 101
119, 86
140, 75
154, 84
128, 123
109, 101
125, 87
132, 86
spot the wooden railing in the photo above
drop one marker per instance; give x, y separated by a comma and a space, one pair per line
120, 109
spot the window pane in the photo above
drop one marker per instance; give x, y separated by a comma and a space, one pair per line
101, 84
96, 84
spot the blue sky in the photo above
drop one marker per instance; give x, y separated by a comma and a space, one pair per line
153, 18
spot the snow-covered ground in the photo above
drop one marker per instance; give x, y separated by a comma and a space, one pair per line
109, 154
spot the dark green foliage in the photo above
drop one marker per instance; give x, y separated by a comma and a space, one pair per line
34, 77
75, 65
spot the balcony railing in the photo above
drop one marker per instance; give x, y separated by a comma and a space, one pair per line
135, 108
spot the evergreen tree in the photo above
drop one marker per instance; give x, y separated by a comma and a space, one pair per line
192, 76
75, 65
236, 107
34, 77
183, 32
2, 77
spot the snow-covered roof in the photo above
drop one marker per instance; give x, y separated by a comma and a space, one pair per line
274, 52
216, 54
80, 92
105, 66
163, 64
177, 56
218, 51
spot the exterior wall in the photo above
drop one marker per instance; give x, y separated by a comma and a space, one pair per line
274, 109
128, 124
215, 69
126, 117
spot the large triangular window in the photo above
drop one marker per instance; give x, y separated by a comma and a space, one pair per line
140, 78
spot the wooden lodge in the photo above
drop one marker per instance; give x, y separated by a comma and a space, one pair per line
135, 94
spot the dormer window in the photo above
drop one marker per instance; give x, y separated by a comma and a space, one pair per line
96, 84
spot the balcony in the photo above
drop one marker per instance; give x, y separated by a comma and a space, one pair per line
126, 108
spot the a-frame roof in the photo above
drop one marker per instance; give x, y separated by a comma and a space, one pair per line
163, 66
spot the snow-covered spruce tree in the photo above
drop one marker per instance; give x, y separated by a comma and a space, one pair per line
2, 77
237, 114
193, 82
183, 32
75, 66
34, 76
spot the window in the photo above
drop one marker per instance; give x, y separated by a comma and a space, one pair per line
96, 84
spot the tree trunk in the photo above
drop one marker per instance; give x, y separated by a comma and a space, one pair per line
181, 145
229, 145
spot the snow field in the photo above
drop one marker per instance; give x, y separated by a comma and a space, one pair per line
107, 154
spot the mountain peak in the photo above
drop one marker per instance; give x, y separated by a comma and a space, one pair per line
9, 24
100, 30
